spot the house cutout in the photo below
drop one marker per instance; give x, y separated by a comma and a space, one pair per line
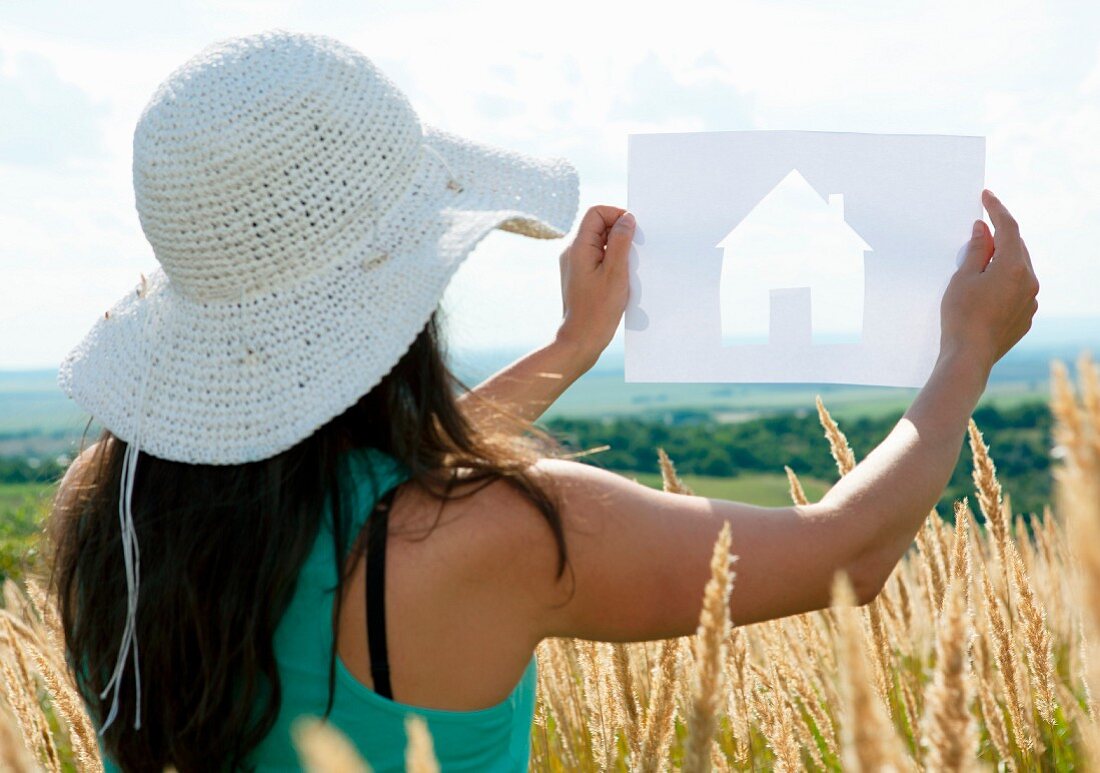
793, 271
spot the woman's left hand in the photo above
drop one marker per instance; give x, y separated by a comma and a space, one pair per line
594, 281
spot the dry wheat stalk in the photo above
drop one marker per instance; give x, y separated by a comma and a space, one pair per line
1040, 657
932, 571
1069, 428
989, 496
1006, 662
1080, 671
774, 723
628, 694
1025, 545
870, 742
950, 732
662, 710
1089, 375
624, 671
718, 761
942, 543
22, 694
786, 736
14, 756
798, 495
608, 697
803, 678
796, 736
838, 444
884, 666
905, 605
419, 755
910, 684
980, 539
324, 749
737, 696
558, 689
960, 554
818, 653
46, 611
811, 704
600, 719
669, 478
1048, 539
1077, 433
992, 714
68, 705
1027, 696
708, 679
683, 684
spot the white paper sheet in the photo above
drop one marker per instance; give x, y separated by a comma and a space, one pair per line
790, 256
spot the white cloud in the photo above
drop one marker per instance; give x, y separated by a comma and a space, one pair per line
48, 122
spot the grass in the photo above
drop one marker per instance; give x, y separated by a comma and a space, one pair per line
13, 495
22, 507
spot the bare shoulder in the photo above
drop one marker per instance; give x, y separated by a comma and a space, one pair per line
495, 525
497, 534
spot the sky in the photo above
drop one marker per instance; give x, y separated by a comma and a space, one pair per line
568, 79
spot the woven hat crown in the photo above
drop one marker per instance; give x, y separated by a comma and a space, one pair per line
307, 223
254, 156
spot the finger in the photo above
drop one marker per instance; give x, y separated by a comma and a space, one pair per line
618, 243
595, 224
977, 251
1006, 227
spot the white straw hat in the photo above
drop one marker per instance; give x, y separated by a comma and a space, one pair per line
306, 224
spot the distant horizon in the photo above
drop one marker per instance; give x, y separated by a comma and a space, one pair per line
1059, 333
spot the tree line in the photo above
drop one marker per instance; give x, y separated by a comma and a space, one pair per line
1019, 439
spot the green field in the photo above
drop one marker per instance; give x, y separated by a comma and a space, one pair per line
765, 489
15, 495
22, 507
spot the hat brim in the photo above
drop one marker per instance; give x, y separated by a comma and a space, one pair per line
239, 381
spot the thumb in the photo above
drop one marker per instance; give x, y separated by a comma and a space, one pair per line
619, 241
975, 254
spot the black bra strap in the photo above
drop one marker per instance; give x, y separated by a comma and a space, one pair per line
376, 595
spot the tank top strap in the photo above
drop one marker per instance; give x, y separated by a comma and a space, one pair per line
370, 473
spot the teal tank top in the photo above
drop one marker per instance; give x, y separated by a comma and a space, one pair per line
495, 739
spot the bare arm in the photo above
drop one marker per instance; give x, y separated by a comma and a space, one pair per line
594, 291
640, 556
514, 397
644, 553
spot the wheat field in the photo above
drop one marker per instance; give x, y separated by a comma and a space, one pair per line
978, 654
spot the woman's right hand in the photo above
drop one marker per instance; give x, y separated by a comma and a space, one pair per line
989, 303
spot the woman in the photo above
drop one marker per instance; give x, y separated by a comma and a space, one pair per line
279, 379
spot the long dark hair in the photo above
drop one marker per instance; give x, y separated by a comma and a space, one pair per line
221, 548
